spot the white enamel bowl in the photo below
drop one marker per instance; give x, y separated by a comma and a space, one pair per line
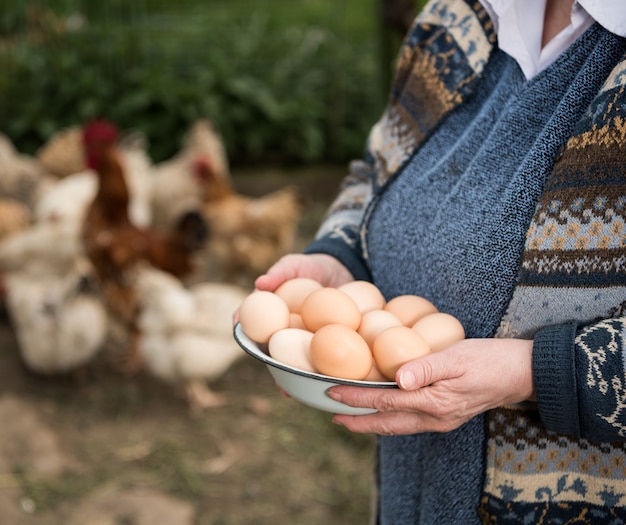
307, 387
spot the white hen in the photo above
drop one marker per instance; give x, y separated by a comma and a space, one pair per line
44, 248
59, 322
186, 333
176, 187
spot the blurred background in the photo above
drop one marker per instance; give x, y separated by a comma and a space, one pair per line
281, 81
290, 90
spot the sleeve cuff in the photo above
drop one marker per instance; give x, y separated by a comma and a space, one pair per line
342, 252
554, 373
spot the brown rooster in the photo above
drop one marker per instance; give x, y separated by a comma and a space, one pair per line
115, 246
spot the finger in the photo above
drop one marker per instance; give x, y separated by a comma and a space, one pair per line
274, 277
270, 281
395, 423
427, 370
383, 400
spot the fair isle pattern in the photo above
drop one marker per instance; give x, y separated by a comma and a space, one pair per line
557, 305
348, 209
596, 225
575, 249
530, 470
577, 238
456, 39
617, 77
613, 332
584, 203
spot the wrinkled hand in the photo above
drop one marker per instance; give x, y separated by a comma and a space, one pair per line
318, 266
443, 390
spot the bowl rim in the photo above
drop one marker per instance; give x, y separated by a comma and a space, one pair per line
252, 348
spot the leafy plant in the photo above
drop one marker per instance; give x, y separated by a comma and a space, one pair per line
297, 89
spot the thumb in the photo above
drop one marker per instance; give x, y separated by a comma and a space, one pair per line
422, 371
270, 281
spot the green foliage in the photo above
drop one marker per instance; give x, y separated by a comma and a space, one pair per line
282, 81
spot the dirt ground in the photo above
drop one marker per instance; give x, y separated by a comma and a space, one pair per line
113, 450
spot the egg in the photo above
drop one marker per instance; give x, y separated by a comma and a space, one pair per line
440, 330
395, 346
261, 314
410, 308
338, 351
329, 306
375, 374
295, 291
291, 347
295, 320
365, 294
374, 322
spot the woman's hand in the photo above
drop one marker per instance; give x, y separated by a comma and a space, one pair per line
443, 390
323, 268
318, 266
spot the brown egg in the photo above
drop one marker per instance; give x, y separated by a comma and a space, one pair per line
440, 330
295, 321
338, 351
410, 308
395, 346
291, 346
365, 295
295, 291
261, 314
374, 322
329, 306
375, 374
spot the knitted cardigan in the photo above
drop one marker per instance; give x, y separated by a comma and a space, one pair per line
553, 269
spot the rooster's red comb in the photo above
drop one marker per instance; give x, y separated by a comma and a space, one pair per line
202, 168
101, 131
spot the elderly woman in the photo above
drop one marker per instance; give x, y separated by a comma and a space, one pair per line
494, 186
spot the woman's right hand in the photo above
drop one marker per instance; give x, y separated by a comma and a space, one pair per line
323, 268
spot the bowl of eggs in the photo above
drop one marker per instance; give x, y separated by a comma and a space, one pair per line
312, 337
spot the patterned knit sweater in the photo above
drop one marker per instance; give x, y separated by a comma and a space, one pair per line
504, 202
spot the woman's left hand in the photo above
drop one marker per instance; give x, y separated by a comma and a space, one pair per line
441, 391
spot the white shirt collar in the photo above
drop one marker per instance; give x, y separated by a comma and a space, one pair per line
519, 27
610, 14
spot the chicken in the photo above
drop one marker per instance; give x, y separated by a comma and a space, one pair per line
176, 188
71, 194
62, 154
46, 248
115, 246
139, 175
67, 199
59, 321
186, 332
21, 177
248, 234
39, 250
14, 216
